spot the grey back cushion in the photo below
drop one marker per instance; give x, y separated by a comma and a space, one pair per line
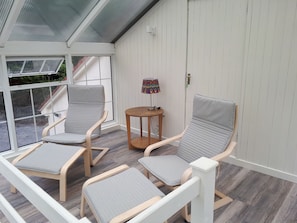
85, 108
210, 129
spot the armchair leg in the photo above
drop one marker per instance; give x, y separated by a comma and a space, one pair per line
186, 214
224, 199
13, 189
99, 156
82, 206
87, 164
63, 185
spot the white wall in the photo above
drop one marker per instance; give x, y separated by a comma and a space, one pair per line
264, 74
269, 103
140, 55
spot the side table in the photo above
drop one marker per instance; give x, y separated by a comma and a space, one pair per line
142, 142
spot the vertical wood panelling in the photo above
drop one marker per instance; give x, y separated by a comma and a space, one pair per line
244, 50
140, 55
216, 45
270, 102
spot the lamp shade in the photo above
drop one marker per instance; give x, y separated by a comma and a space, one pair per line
150, 86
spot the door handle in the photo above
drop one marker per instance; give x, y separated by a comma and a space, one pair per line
188, 79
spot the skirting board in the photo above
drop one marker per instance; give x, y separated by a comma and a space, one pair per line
262, 169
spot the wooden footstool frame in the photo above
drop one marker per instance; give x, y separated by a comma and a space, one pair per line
118, 195
51, 161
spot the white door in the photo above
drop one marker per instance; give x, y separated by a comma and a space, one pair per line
216, 41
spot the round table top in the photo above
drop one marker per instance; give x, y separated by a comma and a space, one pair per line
143, 111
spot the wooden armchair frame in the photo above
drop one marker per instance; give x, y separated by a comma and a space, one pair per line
223, 199
88, 142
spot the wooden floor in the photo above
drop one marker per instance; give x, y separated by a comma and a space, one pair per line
258, 198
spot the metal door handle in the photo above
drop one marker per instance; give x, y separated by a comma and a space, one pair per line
188, 79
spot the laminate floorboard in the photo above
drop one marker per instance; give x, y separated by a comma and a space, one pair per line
258, 198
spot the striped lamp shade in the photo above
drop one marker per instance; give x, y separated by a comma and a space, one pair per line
150, 86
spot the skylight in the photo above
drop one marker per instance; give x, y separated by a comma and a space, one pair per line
5, 6
101, 21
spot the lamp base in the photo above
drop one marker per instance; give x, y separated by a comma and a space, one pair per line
153, 108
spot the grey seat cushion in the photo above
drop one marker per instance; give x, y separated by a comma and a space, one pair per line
66, 138
167, 168
119, 193
48, 158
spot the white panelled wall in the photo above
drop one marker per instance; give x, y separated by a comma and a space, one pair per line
269, 115
140, 55
243, 50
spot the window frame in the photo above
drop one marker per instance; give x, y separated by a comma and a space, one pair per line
25, 60
6, 89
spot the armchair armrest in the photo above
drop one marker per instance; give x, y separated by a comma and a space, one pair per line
93, 127
135, 211
164, 142
106, 174
226, 153
46, 129
188, 172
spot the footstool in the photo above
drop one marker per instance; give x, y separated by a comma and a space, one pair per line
52, 161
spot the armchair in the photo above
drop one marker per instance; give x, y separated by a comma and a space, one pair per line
209, 134
82, 124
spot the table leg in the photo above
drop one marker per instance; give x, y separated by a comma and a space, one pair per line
160, 126
128, 131
140, 118
149, 130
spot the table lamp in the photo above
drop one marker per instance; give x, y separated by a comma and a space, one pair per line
150, 86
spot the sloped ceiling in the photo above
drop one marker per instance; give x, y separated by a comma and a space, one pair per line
100, 21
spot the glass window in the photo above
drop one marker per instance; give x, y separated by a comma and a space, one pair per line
35, 106
57, 20
32, 66
14, 67
21, 102
4, 137
5, 7
95, 70
51, 20
35, 70
34, 109
114, 19
51, 65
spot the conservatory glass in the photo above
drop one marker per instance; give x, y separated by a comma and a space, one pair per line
57, 21
5, 6
50, 20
